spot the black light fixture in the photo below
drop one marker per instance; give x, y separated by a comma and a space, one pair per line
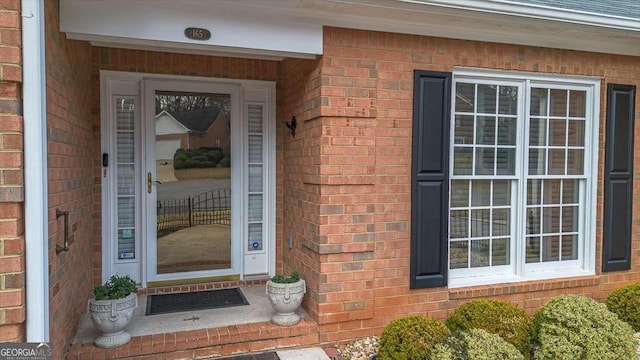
292, 125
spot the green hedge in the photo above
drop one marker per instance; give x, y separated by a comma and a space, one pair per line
410, 338
625, 302
497, 317
475, 344
200, 158
575, 327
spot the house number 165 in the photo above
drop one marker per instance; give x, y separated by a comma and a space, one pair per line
197, 33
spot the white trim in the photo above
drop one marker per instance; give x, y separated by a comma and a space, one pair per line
149, 200
513, 24
112, 83
585, 264
194, 49
35, 171
536, 11
232, 31
110, 88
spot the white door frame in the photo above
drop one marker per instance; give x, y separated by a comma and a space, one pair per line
237, 175
142, 86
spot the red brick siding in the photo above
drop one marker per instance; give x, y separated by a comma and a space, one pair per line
343, 182
177, 64
363, 171
12, 263
301, 80
70, 162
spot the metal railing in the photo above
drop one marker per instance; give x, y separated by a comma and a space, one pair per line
208, 208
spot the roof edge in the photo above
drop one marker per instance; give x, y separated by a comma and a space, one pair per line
536, 11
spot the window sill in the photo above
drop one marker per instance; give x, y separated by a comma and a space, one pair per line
519, 286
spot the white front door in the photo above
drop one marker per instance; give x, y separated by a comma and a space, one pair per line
188, 178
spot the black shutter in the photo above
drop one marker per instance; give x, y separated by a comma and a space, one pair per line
430, 179
618, 180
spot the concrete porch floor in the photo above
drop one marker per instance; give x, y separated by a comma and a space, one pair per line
201, 334
258, 310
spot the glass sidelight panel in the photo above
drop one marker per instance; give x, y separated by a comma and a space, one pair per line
125, 170
255, 201
193, 181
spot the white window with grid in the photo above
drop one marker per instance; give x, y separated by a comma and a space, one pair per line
522, 184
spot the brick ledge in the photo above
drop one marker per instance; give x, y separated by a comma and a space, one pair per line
206, 343
522, 287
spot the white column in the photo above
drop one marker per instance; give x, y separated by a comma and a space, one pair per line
35, 170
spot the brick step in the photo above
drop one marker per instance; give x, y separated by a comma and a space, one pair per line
206, 343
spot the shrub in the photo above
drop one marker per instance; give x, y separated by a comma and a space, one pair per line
214, 155
410, 338
475, 344
225, 162
497, 317
196, 158
625, 302
577, 327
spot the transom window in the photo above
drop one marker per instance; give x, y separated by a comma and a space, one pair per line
521, 175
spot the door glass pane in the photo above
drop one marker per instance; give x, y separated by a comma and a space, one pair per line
255, 148
126, 180
255, 237
193, 174
255, 178
125, 146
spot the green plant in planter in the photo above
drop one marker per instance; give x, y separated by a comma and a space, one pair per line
286, 279
117, 287
285, 293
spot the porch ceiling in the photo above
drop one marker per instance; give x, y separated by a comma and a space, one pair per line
281, 28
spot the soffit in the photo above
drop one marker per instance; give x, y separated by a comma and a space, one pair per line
281, 28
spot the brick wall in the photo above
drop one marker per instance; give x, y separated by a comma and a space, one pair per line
301, 82
12, 263
70, 168
359, 176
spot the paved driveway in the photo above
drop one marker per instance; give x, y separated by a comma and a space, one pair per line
186, 188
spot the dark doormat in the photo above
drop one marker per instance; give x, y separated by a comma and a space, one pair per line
263, 356
198, 300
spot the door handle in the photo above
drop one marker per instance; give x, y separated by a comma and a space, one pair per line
151, 182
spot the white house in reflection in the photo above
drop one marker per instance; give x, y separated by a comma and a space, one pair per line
192, 129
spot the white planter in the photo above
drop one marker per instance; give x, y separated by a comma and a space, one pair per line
110, 317
285, 299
